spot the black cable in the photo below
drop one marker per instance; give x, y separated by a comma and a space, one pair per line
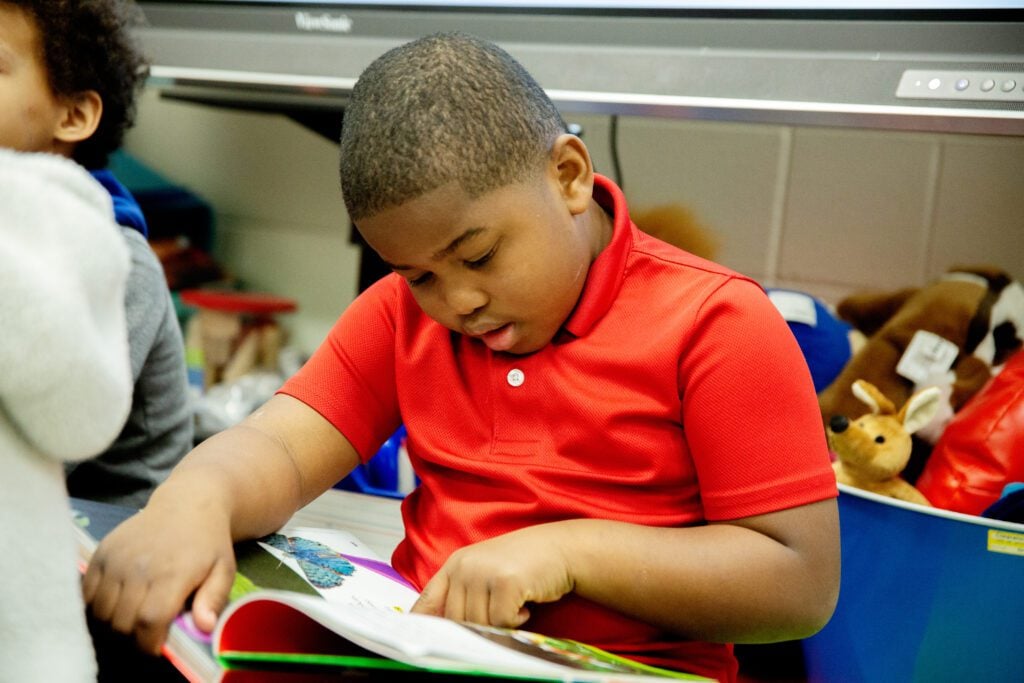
613, 143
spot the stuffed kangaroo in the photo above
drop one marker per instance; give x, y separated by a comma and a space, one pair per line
873, 449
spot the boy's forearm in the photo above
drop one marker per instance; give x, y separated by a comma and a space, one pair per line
720, 582
240, 473
259, 472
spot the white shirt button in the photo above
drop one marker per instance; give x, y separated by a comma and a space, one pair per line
515, 377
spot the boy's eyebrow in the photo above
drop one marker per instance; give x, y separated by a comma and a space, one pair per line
438, 255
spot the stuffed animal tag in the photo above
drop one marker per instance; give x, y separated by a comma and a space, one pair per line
795, 307
927, 354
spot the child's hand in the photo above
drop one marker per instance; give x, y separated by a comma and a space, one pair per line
491, 582
143, 572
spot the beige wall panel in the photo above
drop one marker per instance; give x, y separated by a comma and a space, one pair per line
725, 173
246, 164
857, 207
979, 215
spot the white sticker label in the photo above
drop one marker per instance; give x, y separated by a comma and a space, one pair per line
927, 355
1007, 542
795, 307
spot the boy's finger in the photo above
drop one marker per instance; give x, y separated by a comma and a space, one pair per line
154, 616
212, 595
433, 597
90, 583
105, 600
124, 616
478, 604
151, 633
506, 607
455, 604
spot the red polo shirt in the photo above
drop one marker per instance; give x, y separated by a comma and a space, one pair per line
674, 394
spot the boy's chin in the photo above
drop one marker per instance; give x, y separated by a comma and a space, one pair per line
529, 344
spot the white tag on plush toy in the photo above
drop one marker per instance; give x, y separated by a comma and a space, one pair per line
795, 307
926, 355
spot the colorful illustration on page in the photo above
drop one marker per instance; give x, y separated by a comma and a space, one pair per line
324, 567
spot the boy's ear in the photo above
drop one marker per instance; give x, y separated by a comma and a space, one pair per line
82, 114
571, 163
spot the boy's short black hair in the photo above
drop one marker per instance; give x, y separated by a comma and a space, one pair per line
446, 107
88, 45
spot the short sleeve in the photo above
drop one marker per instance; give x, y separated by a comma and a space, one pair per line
350, 378
750, 414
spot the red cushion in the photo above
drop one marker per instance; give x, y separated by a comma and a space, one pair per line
982, 448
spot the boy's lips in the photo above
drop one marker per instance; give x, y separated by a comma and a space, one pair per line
500, 338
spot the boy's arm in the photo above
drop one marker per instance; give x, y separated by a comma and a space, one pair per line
761, 579
244, 482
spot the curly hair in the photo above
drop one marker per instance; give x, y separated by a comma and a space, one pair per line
443, 108
88, 45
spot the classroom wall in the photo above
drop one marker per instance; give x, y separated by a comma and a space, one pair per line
828, 211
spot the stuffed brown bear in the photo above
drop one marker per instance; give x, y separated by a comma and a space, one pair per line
954, 334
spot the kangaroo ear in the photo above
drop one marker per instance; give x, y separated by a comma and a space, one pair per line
868, 393
919, 410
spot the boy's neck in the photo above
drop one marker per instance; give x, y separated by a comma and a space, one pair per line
601, 225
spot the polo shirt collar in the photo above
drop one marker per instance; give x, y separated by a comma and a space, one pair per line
604, 279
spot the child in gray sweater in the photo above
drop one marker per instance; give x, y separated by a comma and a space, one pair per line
71, 72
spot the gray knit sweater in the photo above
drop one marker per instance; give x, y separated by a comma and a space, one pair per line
159, 429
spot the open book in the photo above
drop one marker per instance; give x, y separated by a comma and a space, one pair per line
319, 600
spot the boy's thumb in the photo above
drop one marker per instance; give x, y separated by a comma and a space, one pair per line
212, 596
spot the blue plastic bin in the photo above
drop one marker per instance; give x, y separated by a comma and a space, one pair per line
926, 595
382, 475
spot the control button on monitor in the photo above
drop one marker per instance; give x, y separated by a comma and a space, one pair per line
987, 84
1009, 85
934, 84
962, 84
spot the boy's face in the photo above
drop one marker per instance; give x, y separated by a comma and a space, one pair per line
507, 267
29, 111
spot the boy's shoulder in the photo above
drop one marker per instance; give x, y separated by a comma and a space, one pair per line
648, 248
385, 302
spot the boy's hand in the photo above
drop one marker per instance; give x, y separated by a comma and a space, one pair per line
491, 582
143, 572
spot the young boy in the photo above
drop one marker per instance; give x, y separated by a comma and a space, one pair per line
618, 442
69, 75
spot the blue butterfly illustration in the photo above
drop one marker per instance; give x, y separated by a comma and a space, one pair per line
322, 566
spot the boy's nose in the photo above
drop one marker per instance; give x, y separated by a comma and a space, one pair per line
464, 300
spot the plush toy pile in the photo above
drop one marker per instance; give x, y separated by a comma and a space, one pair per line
955, 335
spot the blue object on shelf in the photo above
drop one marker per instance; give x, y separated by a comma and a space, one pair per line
382, 475
170, 210
926, 595
823, 337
